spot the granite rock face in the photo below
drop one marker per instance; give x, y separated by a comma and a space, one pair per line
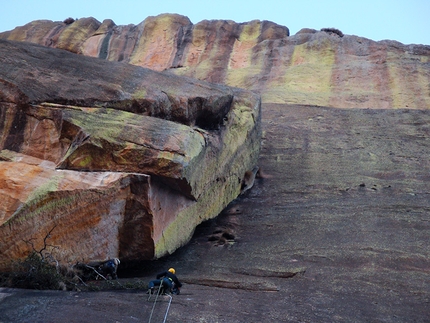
117, 159
310, 67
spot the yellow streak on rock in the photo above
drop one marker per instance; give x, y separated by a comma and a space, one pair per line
408, 82
307, 79
242, 49
74, 35
241, 65
154, 49
199, 58
423, 81
395, 85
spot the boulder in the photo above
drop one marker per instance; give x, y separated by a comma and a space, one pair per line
111, 159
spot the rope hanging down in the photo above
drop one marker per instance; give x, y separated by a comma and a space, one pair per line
155, 302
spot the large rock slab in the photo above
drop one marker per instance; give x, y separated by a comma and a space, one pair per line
161, 154
312, 244
311, 67
84, 209
335, 232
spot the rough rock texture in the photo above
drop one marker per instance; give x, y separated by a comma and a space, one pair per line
337, 228
121, 160
337, 231
311, 67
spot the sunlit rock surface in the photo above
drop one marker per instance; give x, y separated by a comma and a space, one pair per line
118, 160
310, 67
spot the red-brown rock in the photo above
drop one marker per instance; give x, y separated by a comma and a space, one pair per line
311, 67
121, 160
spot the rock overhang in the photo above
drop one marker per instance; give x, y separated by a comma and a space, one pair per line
87, 116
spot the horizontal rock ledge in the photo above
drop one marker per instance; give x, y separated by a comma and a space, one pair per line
112, 140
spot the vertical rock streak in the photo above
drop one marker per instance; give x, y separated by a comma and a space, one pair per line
315, 68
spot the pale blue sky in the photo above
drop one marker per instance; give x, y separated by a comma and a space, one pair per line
407, 21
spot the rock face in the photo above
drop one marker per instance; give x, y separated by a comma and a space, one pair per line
118, 160
315, 68
337, 228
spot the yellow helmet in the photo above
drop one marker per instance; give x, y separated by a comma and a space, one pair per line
172, 270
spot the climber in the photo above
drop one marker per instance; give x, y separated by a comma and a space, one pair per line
169, 281
109, 267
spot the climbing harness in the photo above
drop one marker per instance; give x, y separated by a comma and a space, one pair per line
155, 302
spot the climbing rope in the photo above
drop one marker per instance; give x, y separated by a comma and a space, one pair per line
155, 302
168, 306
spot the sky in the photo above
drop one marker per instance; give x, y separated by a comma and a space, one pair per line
406, 21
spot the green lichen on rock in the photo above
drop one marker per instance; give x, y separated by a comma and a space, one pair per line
50, 203
210, 203
38, 201
51, 185
224, 175
139, 94
192, 141
123, 141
